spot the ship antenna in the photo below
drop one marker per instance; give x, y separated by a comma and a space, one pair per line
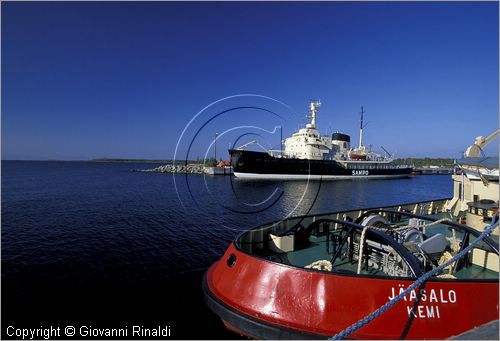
361, 128
281, 141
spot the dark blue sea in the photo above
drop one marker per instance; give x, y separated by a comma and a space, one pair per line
95, 244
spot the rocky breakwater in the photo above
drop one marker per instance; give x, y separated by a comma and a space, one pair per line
185, 169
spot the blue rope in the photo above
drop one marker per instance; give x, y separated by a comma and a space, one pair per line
417, 283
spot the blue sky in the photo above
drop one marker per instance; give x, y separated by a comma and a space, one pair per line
94, 79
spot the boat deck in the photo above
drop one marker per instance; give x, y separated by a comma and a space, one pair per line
317, 251
478, 266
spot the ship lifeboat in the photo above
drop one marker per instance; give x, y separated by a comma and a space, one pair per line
313, 277
357, 156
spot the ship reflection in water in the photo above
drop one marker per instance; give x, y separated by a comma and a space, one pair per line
301, 197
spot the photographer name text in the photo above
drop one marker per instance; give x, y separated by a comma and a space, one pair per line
51, 332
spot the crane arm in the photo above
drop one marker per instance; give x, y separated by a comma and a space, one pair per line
475, 149
243, 146
488, 139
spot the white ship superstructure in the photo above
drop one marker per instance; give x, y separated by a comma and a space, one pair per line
476, 189
308, 144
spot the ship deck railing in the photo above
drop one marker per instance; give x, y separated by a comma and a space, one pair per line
257, 241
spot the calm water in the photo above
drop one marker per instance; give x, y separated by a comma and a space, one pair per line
98, 245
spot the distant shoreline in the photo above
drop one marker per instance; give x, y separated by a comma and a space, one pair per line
417, 162
112, 161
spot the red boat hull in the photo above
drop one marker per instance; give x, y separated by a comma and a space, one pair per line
275, 301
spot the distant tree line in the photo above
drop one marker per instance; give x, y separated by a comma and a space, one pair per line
210, 162
425, 162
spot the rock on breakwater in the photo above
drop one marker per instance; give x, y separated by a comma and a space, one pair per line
189, 169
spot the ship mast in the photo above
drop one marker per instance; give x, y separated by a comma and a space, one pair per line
314, 108
361, 129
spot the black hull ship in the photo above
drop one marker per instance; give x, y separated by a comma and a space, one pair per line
308, 155
261, 165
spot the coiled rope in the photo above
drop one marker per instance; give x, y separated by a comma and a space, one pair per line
487, 231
